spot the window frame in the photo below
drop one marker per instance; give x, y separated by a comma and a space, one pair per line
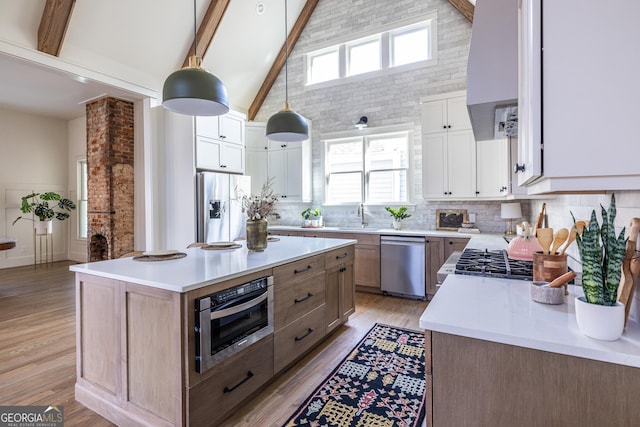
349, 46
366, 170
82, 181
407, 30
428, 20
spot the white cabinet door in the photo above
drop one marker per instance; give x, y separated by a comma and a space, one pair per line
285, 167
457, 114
232, 129
256, 161
232, 158
207, 126
254, 136
529, 92
461, 162
492, 163
208, 153
294, 173
277, 170
434, 166
434, 116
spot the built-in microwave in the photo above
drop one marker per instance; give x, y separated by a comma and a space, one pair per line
230, 320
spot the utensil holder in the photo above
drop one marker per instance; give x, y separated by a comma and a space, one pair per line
548, 267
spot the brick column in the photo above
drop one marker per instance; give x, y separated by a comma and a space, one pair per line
110, 180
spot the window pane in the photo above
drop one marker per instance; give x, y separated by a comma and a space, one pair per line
344, 156
323, 67
388, 152
364, 57
82, 219
82, 199
410, 46
344, 187
387, 186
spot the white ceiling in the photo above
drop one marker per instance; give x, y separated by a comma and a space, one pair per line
127, 48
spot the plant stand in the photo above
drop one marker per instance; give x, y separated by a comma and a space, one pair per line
48, 249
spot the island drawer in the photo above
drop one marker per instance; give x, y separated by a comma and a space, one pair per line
231, 384
298, 337
339, 256
297, 270
294, 300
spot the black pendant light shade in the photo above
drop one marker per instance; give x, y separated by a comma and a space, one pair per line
195, 91
287, 126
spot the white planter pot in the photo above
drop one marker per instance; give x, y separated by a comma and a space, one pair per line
43, 227
602, 322
397, 224
307, 223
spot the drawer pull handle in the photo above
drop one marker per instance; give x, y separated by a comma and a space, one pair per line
303, 270
344, 255
309, 331
342, 269
309, 295
229, 390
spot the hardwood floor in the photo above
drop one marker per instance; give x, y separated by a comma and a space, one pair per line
38, 359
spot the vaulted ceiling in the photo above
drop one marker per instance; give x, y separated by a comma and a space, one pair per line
56, 54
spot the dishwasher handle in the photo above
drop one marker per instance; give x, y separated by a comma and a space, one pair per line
402, 240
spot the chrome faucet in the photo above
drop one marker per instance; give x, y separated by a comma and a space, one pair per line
363, 222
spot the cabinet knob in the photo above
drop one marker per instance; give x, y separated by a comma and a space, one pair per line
444, 127
223, 166
477, 192
503, 188
449, 126
223, 136
518, 168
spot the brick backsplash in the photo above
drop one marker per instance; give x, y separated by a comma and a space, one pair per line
390, 98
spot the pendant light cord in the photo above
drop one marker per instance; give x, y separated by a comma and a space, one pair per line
286, 58
195, 31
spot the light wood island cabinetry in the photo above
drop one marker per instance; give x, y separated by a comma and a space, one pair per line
340, 293
136, 344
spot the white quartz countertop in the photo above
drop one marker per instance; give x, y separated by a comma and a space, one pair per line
205, 267
389, 231
502, 311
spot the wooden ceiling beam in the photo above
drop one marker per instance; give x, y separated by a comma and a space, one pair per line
53, 25
272, 75
465, 7
208, 28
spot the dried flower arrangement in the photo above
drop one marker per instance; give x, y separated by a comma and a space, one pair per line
262, 206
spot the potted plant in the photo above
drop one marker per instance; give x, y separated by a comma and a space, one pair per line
45, 206
312, 217
258, 209
398, 215
599, 314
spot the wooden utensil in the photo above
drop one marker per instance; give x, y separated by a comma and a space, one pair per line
580, 225
545, 238
559, 281
538, 223
570, 239
630, 269
558, 239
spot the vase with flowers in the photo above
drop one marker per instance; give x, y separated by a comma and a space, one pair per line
258, 209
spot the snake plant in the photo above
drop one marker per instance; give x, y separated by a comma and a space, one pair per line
601, 253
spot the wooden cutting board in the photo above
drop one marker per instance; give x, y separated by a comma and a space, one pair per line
630, 269
538, 223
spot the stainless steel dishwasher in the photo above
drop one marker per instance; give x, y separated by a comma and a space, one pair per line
402, 266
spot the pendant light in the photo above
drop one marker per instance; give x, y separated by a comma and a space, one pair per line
193, 90
287, 125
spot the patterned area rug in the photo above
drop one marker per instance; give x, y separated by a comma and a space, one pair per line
381, 383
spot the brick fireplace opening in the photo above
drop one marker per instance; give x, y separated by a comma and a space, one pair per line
110, 180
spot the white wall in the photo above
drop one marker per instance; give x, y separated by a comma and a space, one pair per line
33, 156
559, 211
77, 146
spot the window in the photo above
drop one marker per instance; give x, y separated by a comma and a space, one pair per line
82, 199
363, 56
410, 44
369, 169
323, 66
398, 46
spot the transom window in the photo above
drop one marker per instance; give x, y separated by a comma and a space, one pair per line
409, 44
368, 169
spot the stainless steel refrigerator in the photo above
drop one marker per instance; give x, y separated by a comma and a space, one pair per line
220, 217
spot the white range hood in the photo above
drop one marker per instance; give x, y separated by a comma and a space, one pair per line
492, 69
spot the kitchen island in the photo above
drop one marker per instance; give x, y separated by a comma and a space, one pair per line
136, 327
495, 357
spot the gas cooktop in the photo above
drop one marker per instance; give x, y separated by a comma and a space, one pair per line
494, 263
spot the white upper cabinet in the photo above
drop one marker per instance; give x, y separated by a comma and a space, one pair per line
579, 124
445, 114
288, 164
220, 142
492, 168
